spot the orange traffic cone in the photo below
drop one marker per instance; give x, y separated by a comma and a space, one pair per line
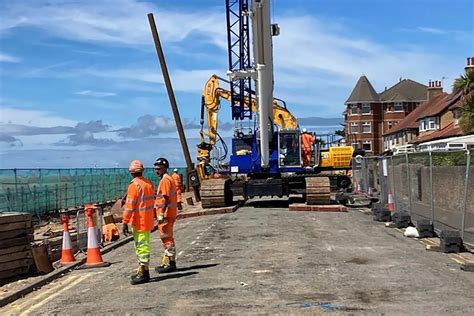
391, 203
67, 256
370, 193
94, 258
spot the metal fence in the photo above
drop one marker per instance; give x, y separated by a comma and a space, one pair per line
438, 186
39, 191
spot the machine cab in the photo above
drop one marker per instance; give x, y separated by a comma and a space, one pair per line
289, 148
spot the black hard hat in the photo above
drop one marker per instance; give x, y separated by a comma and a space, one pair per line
162, 162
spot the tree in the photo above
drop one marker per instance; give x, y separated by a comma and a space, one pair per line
465, 85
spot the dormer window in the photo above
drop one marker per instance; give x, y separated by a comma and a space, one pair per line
428, 124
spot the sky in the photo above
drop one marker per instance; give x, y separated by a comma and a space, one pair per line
81, 86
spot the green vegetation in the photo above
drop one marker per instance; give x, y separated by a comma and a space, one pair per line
465, 83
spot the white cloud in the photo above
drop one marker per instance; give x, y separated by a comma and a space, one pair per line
182, 80
327, 66
97, 94
106, 21
431, 30
8, 58
36, 118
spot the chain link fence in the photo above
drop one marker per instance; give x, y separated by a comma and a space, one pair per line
39, 191
438, 186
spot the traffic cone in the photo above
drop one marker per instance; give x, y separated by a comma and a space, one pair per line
67, 256
370, 193
94, 258
391, 203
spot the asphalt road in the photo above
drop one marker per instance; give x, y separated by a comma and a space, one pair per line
264, 259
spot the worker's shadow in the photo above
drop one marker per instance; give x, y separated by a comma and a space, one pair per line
179, 272
171, 276
197, 267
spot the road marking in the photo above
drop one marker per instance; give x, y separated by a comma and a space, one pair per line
193, 242
45, 291
180, 253
47, 299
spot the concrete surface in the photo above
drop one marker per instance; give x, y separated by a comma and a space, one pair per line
264, 259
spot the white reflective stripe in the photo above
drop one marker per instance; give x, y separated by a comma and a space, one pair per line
160, 205
129, 210
66, 241
92, 238
131, 201
146, 208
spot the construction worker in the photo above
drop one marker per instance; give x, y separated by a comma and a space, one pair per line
166, 212
307, 141
138, 212
177, 181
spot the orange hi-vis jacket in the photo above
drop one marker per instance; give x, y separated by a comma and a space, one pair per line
138, 209
307, 140
177, 182
168, 188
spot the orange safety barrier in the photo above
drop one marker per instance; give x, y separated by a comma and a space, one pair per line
67, 255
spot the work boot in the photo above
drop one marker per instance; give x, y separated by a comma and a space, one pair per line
166, 268
142, 275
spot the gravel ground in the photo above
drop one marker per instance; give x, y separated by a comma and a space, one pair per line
264, 259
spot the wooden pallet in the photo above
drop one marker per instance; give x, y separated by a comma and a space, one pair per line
16, 234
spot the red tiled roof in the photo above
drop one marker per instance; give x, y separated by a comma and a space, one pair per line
411, 120
449, 130
457, 104
440, 105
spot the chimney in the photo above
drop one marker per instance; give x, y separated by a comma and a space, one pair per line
434, 88
470, 64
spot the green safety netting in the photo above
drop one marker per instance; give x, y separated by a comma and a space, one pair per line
39, 191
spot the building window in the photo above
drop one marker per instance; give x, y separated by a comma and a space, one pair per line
398, 107
390, 124
422, 126
366, 127
353, 109
366, 108
354, 127
432, 123
355, 145
367, 145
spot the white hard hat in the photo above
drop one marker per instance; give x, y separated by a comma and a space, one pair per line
175, 170
304, 130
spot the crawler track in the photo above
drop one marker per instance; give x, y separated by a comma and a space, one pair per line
215, 193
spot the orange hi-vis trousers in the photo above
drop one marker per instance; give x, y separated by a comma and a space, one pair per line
166, 235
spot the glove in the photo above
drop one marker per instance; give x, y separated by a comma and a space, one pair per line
160, 218
125, 230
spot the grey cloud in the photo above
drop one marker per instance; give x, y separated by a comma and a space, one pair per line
86, 138
92, 127
10, 140
24, 130
147, 126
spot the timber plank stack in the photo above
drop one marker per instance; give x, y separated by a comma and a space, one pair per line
16, 235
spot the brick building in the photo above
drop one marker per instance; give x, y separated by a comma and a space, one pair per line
368, 114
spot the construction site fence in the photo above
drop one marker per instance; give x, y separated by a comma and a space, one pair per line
438, 186
39, 191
